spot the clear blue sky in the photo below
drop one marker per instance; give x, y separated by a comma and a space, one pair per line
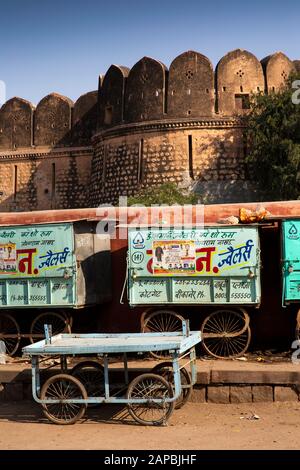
64, 45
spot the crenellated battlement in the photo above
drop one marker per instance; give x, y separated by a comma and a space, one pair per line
56, 122
190, 88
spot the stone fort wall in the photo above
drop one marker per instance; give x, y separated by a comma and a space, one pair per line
144, 126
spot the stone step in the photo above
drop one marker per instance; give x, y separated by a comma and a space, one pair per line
217, 381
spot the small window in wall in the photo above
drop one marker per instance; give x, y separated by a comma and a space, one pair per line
242, 102
15, 182
189, 74
53, 181
190, 155
108, 115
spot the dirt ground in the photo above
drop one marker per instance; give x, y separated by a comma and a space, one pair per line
195, 426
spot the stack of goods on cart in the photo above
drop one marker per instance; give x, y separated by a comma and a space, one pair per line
247, 216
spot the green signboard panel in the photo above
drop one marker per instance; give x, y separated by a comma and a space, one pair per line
213, 265
291, 260
37, 266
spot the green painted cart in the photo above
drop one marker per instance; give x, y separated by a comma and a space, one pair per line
47, 271
291, 265
216, 265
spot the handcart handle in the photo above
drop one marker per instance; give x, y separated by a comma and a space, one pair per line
186, 327
48, 333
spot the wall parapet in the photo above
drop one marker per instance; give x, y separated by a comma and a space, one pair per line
32, 154
56, 121
168, 125
190, 89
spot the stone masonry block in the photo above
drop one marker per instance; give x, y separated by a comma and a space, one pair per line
203, 377
262, 393
285, 394
198, 395
217, 394
240, 394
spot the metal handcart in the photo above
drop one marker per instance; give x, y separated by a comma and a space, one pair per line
150, 397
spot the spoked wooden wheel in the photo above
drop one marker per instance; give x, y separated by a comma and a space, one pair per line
149, 387
59, 322
63, 387
160, 321
68, 317
91, 375
165, 369
9, 333
226, 334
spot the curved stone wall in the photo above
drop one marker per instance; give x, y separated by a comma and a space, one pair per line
129, 158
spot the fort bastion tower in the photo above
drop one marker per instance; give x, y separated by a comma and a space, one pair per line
143, 126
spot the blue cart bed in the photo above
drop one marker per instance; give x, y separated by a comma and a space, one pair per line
76, 344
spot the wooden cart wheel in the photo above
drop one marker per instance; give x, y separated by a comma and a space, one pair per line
150, 386
9, 333
145, 314
58, 321
226, 333
68, 317
160, 321
165, 369
63, 387
91, 375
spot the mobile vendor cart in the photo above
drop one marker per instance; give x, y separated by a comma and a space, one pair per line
150, 397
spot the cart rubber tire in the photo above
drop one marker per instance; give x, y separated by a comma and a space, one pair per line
90, 383
8, 325
135, 391
165, 369
60, 319
167, 320
230, 340
81, 394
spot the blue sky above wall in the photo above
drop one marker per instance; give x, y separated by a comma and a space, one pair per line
64, 45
